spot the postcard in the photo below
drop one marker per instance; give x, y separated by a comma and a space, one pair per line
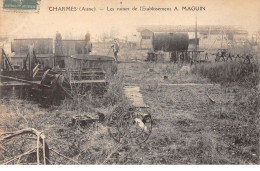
129, 82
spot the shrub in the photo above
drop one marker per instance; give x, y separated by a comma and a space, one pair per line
114, 93
229, 72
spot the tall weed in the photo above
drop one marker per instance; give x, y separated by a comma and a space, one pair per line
229, 72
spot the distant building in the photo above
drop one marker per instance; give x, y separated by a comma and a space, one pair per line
212, 37
146, 38
133, 41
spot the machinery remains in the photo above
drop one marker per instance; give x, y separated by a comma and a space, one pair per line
223, 55
37, 71
131, 124
177, 44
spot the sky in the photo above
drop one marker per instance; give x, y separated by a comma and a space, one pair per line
75, 24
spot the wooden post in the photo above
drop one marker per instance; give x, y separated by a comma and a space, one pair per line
196, 37
30, 54
1, 59
222, 38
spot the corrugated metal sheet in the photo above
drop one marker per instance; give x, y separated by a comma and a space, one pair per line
71, 47
41, 46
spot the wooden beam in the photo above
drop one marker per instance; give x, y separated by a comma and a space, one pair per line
19, 80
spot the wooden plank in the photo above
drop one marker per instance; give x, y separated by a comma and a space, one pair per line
169, 84
18, 83
13, 83
135, 97
17, 79
87, 81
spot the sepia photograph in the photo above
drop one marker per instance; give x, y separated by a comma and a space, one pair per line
129, 82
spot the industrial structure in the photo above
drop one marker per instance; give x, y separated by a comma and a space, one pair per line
209, 36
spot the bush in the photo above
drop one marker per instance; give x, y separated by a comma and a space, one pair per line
229, 72
115, 92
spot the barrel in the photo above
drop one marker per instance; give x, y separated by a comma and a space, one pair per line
169, 42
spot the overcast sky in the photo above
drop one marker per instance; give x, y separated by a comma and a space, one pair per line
245, 13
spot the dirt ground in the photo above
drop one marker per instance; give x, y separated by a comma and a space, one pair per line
188, 128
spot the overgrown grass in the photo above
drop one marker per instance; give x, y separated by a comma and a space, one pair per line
114, 93
88, 145
86, 101
236, 115
229, 72
237, 121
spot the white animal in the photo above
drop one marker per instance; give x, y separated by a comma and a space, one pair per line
141, 124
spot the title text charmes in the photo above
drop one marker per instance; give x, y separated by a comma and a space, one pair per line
51, 8
141, 8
